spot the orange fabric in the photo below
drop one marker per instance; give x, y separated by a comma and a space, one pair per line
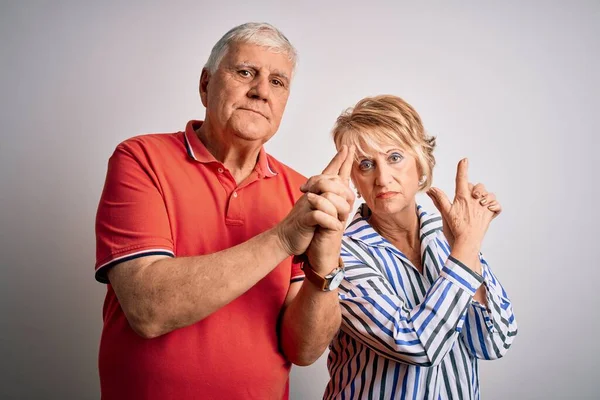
166, 194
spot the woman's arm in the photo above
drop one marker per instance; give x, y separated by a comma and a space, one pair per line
375, 315
489, 331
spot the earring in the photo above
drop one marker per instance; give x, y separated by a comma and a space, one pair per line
352, 187
422, 180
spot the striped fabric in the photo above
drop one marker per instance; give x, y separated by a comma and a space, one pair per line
407, 335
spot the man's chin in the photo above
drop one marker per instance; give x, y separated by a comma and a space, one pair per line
253, 132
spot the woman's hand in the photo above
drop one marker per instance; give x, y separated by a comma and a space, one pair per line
486, 199
331, 193
468, 217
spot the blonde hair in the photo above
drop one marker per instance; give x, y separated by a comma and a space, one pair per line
386, 119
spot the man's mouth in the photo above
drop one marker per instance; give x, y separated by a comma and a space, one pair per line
253, 111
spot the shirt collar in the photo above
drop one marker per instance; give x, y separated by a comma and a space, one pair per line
196, 150
430, 225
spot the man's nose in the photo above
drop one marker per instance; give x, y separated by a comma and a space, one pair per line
260, 88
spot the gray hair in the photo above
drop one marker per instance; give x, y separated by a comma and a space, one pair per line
257, 33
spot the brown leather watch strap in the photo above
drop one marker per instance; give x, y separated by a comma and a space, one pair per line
316, 279
319, 281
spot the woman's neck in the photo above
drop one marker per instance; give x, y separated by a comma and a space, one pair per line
402, 230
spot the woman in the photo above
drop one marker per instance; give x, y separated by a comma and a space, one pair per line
419, 304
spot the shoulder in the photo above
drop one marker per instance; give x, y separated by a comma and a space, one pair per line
429, 222
286, 171
359, 237
152, 142
152, 149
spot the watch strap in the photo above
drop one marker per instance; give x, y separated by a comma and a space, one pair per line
321, 282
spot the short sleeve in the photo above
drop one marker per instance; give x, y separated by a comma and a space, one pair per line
132, 219
297, 273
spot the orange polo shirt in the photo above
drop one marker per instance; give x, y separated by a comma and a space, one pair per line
166, 194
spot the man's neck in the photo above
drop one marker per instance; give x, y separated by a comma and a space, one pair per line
239, 158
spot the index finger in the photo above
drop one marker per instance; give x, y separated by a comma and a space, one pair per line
346, 167
333, 168
462, 177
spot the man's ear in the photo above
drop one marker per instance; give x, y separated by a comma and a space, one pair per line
203, 87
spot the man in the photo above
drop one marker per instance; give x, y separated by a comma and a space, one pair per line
195, 233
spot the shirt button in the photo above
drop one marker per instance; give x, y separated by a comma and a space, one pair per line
220, 170
234, 194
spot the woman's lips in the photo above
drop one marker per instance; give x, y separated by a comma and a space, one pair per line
386, 195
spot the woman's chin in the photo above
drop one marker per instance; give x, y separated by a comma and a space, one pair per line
385, 207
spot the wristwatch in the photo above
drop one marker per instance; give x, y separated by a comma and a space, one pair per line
325, 283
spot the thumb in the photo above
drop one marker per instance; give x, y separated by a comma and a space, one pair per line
440, 200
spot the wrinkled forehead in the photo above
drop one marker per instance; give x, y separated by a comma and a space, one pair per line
260, 54
370, 142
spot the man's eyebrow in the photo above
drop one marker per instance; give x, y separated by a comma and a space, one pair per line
246, 65
280, 74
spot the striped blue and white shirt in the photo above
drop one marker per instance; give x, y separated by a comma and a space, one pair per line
407, 335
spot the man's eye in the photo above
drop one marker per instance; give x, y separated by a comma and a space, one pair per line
277, 82
245, 73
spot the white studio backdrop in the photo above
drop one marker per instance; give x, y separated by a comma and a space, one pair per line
511, 85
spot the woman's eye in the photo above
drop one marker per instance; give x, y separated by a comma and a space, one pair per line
365, 165
395, 157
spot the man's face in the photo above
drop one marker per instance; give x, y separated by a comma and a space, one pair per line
247, 94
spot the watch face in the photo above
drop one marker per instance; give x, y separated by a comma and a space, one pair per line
336, 280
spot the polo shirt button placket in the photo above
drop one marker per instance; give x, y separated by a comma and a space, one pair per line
234, 210
227, 183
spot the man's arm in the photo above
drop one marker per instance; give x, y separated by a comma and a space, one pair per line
159, 294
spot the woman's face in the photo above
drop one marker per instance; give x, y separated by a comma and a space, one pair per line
388, 179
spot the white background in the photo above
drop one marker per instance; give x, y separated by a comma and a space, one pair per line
511, 85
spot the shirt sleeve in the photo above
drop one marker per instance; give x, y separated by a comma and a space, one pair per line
489, 331
297, 273
132, 218
374, 314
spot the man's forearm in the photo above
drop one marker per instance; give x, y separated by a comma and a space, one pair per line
172, 293
309, 324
